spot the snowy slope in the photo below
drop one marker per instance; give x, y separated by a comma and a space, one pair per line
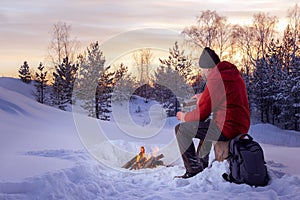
30, 126
42, 157
17, 85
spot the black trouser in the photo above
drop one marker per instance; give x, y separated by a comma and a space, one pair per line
207, 132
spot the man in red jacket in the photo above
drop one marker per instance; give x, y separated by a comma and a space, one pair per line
222, 112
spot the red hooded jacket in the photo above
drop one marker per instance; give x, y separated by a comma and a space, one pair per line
225, 96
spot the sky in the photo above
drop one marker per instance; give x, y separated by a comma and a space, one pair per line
25, 26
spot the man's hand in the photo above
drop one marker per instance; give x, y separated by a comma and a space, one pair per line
180, 116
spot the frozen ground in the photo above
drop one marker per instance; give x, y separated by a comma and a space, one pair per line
44, 156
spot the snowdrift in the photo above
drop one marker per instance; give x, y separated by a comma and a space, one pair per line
269, 134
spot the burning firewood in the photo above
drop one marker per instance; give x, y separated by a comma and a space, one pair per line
154, 161
130, 163
140, 161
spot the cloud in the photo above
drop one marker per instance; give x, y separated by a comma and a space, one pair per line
27, 24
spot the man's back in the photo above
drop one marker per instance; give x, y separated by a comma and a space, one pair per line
236, 106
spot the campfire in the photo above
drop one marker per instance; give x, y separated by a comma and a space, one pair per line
142, 161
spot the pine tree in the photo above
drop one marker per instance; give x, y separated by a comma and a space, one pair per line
90, 69
64, 78
104, 94
40, 78
262, 82
276, 82
179, 62
24, 73
295, 92
164, 88
124, 85
291, 70
174, 75
274, 59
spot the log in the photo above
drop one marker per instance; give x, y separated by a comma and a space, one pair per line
129, 163
153, 161
143, 163
139, 164
132, 161
159, 156
149, 163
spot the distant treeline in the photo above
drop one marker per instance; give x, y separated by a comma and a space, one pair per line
269, 62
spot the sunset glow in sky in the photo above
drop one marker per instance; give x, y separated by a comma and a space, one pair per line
26, 25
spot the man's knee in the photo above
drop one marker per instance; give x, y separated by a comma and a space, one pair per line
186, 129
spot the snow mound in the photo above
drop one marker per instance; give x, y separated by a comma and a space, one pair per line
89, 180
26, 126
11, 108
269, 134
17, 86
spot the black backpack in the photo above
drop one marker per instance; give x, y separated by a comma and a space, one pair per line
246, 162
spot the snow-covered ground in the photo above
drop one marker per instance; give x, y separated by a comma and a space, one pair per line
45, 154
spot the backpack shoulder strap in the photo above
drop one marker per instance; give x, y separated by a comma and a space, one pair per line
243, 135
233, 141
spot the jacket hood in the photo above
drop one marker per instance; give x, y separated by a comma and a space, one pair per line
226, 70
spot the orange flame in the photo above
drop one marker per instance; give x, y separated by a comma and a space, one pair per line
141, 154
138, 157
